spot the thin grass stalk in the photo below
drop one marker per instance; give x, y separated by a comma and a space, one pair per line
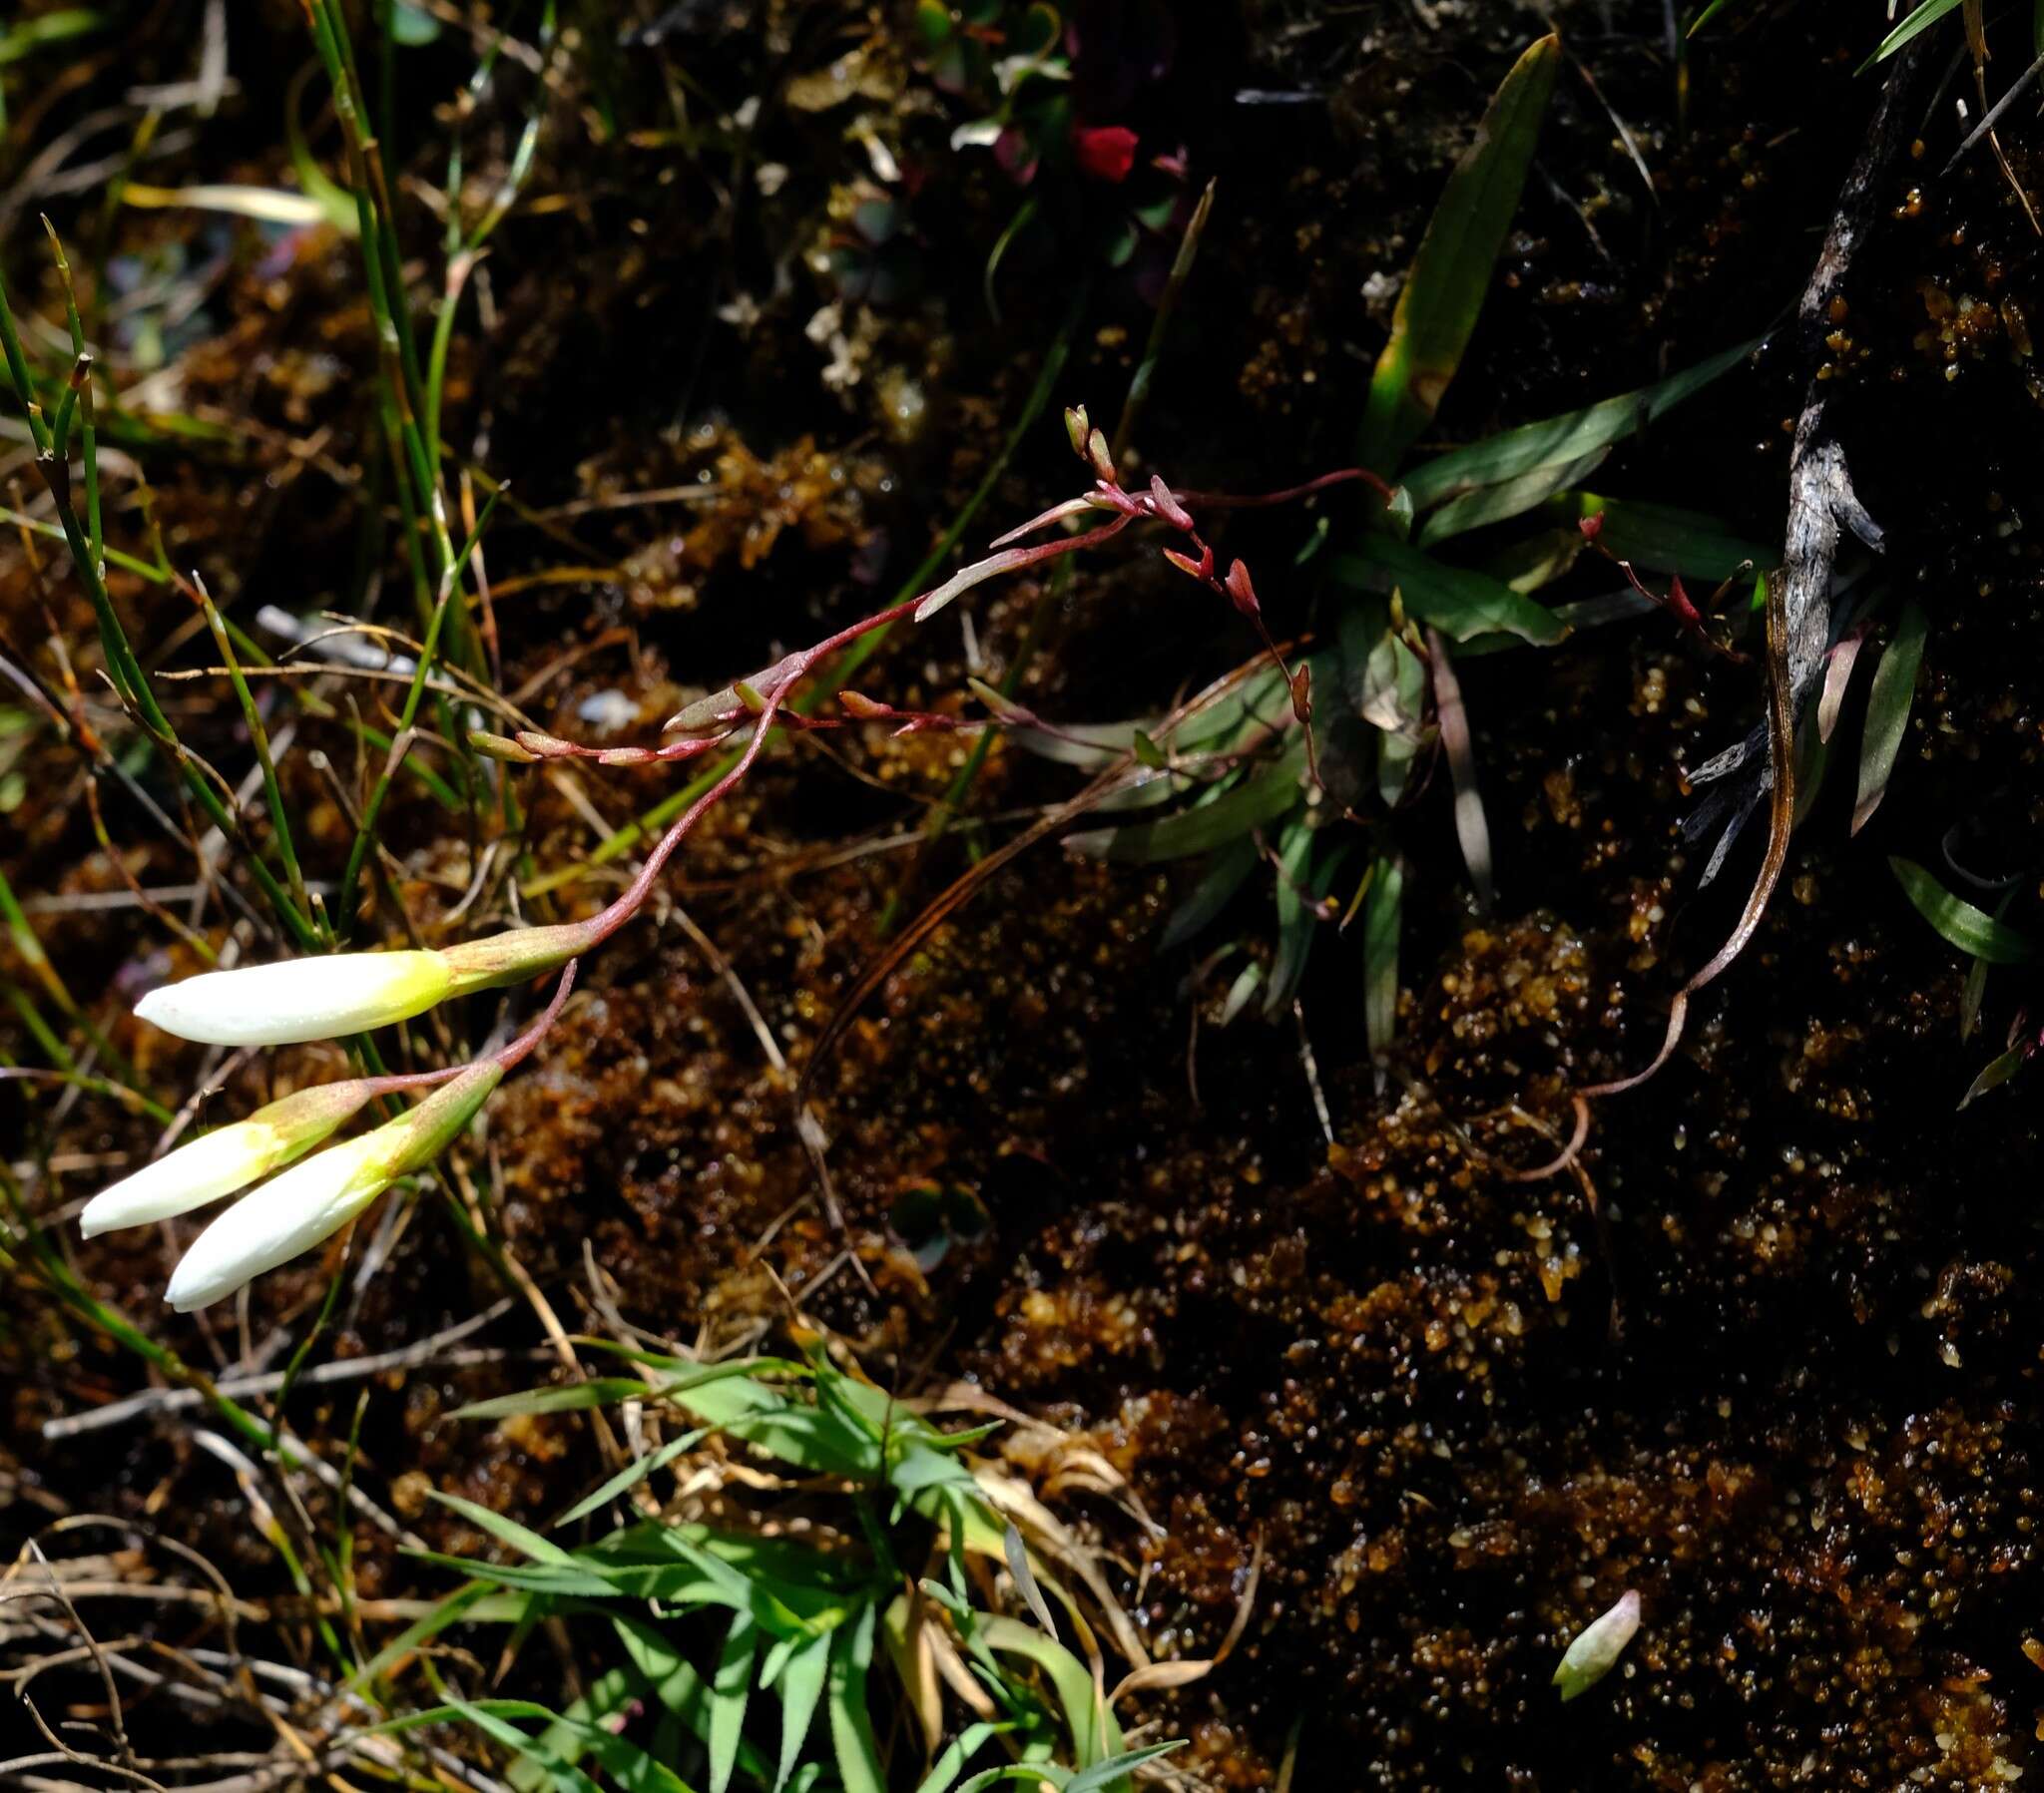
89, 433
366, 834
29, 948
258, 738
39, 1029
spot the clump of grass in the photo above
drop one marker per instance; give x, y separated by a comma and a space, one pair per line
836, 1584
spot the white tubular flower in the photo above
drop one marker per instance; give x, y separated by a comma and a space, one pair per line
228, 1158
314, 1199
301, 999
349, 993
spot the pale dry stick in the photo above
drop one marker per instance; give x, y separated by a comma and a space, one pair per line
732, 982
1821, 498
178, 1400
115, 1713
1312, 1079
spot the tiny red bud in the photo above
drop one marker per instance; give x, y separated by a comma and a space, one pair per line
1184, 563
1101, 456
498, 746
1242, 591
1303, 693
1168, 507
1592, 527
544, 747
857, 703
626, 756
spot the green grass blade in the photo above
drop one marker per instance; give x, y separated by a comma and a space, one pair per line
1915, 25
851, 1725
730, 1688
1260, 799
572, 1397
1568, 437
801, 1688
1708, 14
1460, 603
961, 1749
1887, 713
525, 1541
1380, 928
1970, 929
1507, 498
1452, 271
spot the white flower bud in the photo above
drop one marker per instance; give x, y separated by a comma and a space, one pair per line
314, 1199
300, 999
228, 1158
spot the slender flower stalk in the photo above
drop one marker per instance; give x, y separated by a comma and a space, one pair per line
320, 998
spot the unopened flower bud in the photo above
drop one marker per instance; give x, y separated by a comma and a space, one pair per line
498, 746
1077, 427
1242, 591
230, 1158
300, 998
314, 1199
544, 747
1168, 506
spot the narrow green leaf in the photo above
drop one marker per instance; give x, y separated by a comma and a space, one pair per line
443, 1714
632, 1475
571, 1397
25, 38
1260, 799
508, 1530
1569, 437
1708, 14
851, 1726
1970, 929
1094, 1779
564, 1777
1667, 538
1460, 603
730, 1690
1380, 927
1975, 992
1226, 873
1918, 22
1888, 711
802, 1687
1507, 498
960, 1750
1451, 275
1997, 1073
